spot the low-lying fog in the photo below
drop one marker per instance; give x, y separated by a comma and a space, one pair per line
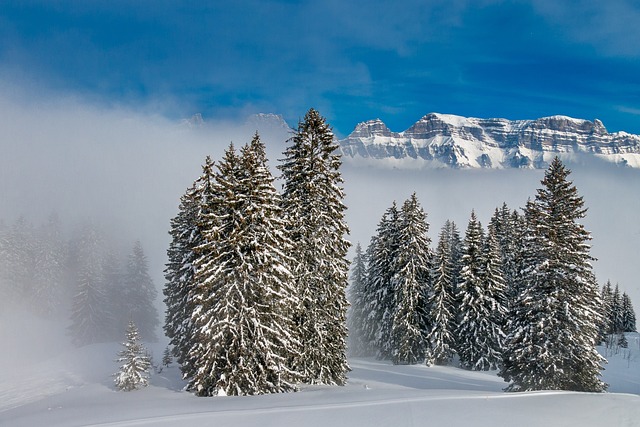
126, 170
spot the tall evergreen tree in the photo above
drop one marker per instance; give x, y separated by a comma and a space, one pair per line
140, 294
628, 314
245, 293
382, 255
442, 300
496, 291
179, 290
554, 328
313, 204
216, 205
606, 325
523, 259
479, 333
616, 311
457, 249
455, 244
358, 312
411, 321
505, 225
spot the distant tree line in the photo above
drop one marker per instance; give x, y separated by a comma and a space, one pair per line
256, 278
79, 279
618, 316
519, 296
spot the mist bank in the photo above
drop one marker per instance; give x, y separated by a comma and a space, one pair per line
127, 168
120, 168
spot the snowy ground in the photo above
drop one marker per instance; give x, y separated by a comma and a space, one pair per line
74, 388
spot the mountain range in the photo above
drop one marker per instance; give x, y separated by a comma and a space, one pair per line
444, 140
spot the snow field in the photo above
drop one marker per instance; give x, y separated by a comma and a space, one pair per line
76, 389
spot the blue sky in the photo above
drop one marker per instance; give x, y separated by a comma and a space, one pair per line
353, 61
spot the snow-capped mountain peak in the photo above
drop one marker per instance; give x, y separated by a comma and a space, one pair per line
446, 140
371, 128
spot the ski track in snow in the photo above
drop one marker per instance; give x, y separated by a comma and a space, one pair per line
308, 408
539, 408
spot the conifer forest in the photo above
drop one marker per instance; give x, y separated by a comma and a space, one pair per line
518, 296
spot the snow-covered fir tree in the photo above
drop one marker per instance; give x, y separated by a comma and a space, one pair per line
628, 314
523, 258
455, 245
470, 306
134, 373
442, 300
479, 333
606, 325
506, 227
495, 288
245, 296
616, 311
179, 290
357, 314
313, 202
412, 283
207, 331
382, 256
555, 321
140, 294
526, 257
457, 249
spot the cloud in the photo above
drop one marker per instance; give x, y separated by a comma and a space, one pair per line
629, 110
352, 60
611, 27
220, 58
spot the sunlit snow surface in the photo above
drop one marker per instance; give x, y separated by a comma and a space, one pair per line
75, 389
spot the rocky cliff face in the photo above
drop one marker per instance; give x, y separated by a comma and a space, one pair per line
440, 140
